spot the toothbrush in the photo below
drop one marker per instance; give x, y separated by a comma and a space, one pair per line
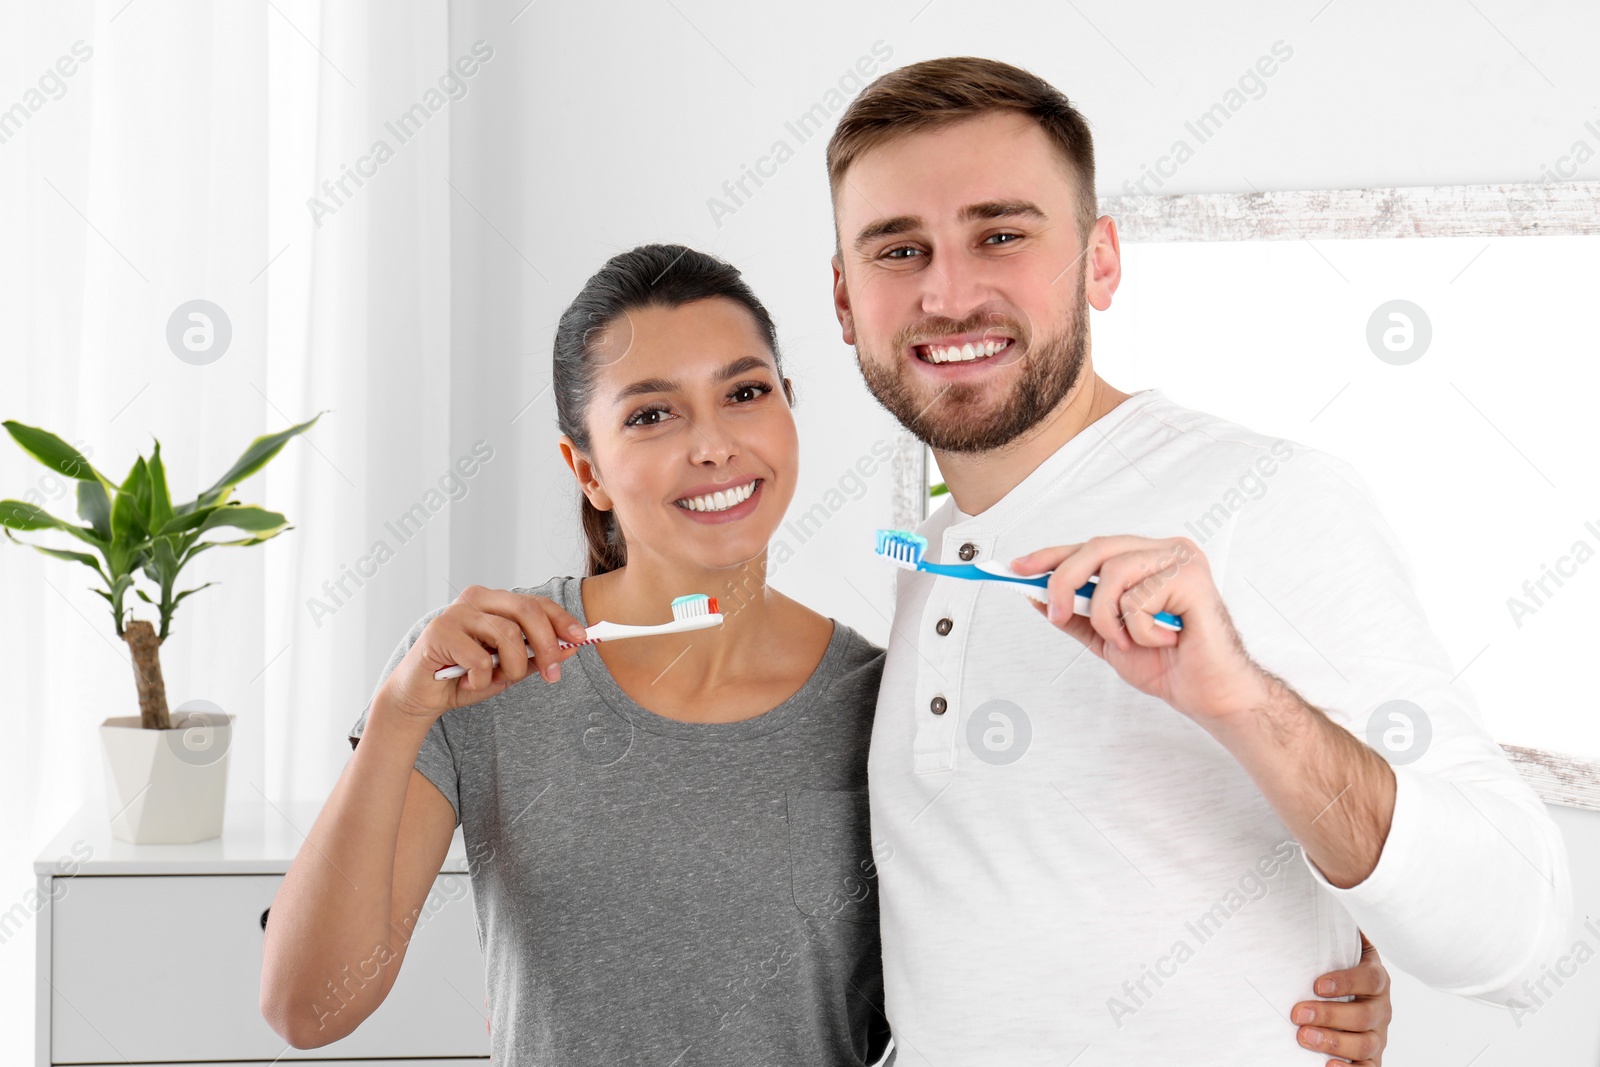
906, 549
694, 612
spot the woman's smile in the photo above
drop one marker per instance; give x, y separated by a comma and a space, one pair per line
711, 505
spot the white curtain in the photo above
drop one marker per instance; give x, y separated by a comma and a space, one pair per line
175, 163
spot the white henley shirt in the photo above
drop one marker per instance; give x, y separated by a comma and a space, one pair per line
1071, 868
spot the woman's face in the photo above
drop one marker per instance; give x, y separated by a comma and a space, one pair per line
688, 404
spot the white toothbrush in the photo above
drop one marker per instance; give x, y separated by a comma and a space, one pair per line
694, 612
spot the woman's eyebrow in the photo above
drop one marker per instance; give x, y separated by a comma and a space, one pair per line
742, 365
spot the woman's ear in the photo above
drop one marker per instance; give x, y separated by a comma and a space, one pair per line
583, 469
788, 391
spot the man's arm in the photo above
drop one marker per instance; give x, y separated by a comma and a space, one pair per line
1441, 853
1334, 793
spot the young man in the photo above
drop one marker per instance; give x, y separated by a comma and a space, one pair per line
1104, 855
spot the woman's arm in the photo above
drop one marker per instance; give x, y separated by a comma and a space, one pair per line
340, 923
343, 916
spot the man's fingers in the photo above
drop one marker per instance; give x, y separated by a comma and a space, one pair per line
1079, 627
1360, 1045
1366, 979
1127, 595
1354, 1016
1042, 559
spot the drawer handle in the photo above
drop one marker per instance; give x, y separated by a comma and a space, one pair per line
264, 918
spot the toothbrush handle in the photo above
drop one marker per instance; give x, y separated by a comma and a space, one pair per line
1080, 601
603, 631
975, 573
600, 631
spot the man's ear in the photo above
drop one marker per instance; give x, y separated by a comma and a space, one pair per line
1103, 261
841, 302
583, 470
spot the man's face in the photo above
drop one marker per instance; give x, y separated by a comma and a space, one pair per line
965, 235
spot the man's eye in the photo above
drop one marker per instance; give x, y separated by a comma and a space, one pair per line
1013, 236
893, 252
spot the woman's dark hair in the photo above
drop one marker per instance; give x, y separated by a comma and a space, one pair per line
651, 275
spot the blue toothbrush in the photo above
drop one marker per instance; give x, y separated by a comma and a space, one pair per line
906, 549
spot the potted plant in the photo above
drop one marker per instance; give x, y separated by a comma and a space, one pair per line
165, 782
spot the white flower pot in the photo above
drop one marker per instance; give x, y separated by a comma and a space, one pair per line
167, 786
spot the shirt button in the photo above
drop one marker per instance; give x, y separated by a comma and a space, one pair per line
943, 626
968, 550
937, 705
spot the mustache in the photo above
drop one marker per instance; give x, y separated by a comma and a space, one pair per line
930, 328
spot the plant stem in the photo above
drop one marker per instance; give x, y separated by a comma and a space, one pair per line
146, 648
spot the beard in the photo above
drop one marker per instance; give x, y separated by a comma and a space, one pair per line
956, 417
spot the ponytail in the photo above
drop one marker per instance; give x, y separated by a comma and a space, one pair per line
607, 551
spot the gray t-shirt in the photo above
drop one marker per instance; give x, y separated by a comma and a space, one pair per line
660, 892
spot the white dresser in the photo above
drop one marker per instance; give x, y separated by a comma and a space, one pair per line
151, 954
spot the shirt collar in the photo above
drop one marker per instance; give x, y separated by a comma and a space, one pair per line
1040, 482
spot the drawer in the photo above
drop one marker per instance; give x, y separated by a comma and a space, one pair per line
152, 969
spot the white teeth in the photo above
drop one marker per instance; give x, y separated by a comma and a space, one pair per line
964, 353
718, 501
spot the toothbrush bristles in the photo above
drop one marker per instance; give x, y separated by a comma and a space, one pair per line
901, 547
693, 606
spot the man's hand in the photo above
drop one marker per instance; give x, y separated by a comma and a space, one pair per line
1335, 794
1203, 671
1358, 1029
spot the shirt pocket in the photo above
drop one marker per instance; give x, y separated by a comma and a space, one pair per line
830, 855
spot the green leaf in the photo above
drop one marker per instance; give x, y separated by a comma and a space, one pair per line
17, 515
143, 596
74, 557
159, 512
179, 598
256, 456
53, 452
244, 517
163, 566
127, 516
183, 520
95, 506
938, 490
203, 545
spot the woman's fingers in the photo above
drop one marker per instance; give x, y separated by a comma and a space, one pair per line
492, 633
511, 624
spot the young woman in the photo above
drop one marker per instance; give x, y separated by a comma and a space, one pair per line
667, 836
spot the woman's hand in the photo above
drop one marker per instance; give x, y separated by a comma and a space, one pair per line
481, 622
1358, 1029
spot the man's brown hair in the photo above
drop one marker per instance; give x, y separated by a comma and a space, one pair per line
936, 92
